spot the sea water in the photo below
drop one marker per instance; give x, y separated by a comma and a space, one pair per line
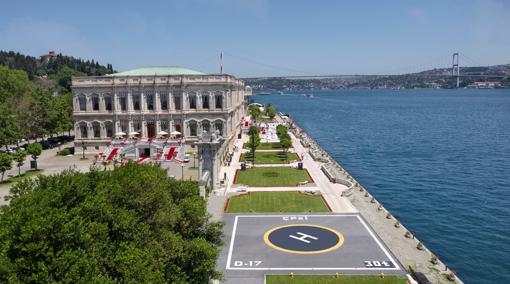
439, 160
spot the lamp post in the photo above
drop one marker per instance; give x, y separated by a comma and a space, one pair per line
182, 171
194, 159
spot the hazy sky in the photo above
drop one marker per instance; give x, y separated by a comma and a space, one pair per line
264, 37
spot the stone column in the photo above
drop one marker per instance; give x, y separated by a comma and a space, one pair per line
143, 103
208, 160
171, 105
184, 101
89, 103
144, 128
199, 101
130, 101
102, 130
157, 102
199, 128
116, 104
158, 126
102, 104
90, 130
117, 127
130, 126
212, 101
77, 131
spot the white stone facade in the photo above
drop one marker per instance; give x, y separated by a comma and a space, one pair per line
189, 104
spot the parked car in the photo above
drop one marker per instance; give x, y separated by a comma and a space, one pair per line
186, 158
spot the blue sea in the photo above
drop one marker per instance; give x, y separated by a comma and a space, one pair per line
439, 160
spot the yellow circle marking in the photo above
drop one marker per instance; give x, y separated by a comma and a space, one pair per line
337, 245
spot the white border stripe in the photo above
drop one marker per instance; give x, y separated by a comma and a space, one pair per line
234, 229
232, 243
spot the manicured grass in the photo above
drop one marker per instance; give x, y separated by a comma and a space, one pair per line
266, 146
331, 279
25, 175
276, 201
272, 176
270, 157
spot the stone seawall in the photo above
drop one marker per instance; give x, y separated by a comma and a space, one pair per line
412, 253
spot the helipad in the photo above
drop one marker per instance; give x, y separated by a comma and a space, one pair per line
257, 244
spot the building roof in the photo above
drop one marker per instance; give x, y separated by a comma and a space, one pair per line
158, 71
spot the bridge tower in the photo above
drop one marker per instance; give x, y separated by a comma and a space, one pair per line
456, 67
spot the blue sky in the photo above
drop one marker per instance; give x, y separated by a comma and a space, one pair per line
261, 38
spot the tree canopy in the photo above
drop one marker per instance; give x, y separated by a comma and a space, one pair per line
132, 224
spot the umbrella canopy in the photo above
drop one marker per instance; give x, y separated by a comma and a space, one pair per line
120, 134
175, 133
133, 133
162, 133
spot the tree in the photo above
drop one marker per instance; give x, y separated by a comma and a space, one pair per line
286, 143
271, 111
35, 151
253, 140
5, 165
281, 130
19, 158
131, 224
255, 111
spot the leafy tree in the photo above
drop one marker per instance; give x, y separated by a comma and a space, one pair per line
253, 140
132, 224
19, 158
255, 112
271, 111
281, 130
286, 143
5, 165
35, 151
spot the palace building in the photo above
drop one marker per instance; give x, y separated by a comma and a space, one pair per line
146, 102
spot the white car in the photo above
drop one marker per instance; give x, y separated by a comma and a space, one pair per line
186, 158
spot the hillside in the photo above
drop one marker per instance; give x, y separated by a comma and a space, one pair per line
434, 78
53, 70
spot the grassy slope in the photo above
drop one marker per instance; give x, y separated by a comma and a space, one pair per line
285, 201
266, 146
272, 176
270, 157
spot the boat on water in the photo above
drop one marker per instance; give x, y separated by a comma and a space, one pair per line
263, 94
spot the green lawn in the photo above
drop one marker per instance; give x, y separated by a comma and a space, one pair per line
25, 175
272, 176
276, 201
266, 146
331, 279
270, 157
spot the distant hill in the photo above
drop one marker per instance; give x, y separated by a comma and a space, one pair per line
53, 69
434, 78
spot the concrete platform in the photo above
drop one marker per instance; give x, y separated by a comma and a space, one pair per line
258, 244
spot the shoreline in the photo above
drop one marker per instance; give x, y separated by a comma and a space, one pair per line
411, 252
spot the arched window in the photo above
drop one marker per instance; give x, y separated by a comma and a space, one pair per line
95, 102
82, 101
136, 101
218, 125
150, 101
192, 101
164, 126
206, 125
96, 129
192, 128
84, 130
124, 126
205, 101
109, 128
137, 126
108, 103
218, 101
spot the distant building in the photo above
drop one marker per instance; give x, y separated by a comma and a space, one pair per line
151, 100
50, 55
485, 85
